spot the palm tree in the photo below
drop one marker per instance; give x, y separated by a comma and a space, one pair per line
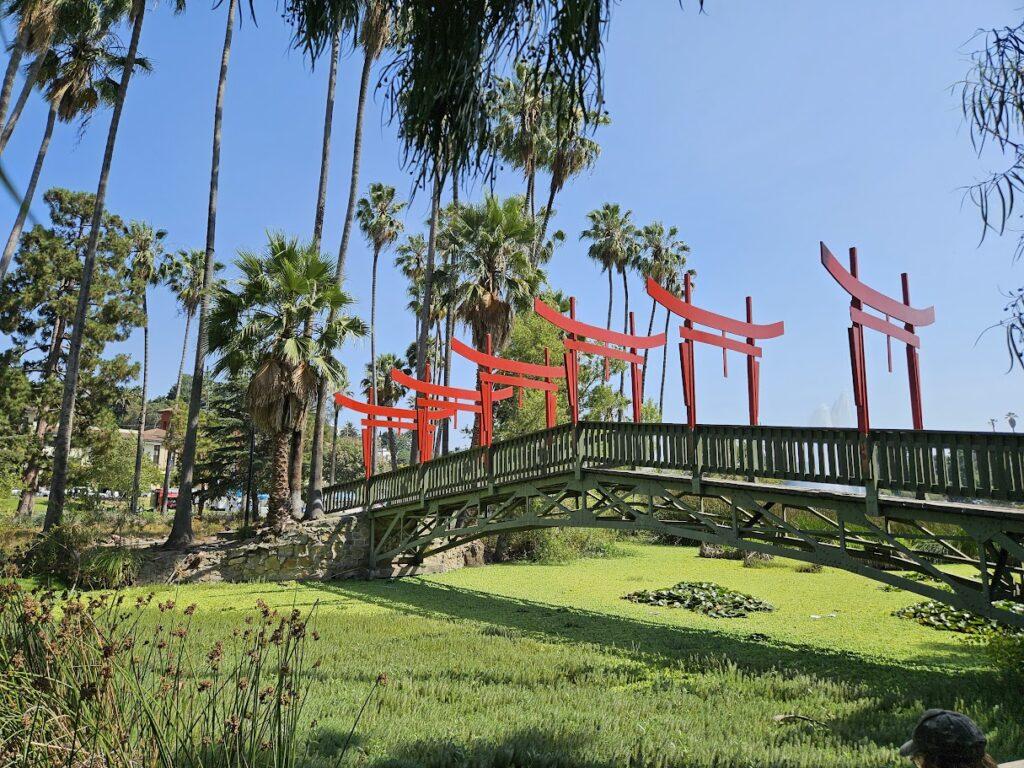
384, 390
147, 246
612, 239
62, 444
663, 256
80, 77
519, 116
37, 23
571, 153
493, 242
183, 273
1011, 419
261, 326
377, 215
409, 260
181, 528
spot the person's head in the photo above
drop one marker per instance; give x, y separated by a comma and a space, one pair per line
944, 739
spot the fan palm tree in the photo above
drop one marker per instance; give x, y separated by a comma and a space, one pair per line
493, 241
409, 259
386, 391
260, 327
612, 237
571, 152
37, 23
62, 443
379, 222
147, 247
81, 75
519, 116
663, 256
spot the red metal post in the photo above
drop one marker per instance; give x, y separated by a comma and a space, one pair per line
572, 372
550, 396
634, 378
857, 360
752, 371
913, 364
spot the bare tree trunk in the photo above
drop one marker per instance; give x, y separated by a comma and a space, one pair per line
625, 329
334, 445
544, 228
181, 529
295, 468
611, 297
19, 105
26, 202
133, 505
650, 330
393, 449
314, 502
373, 343
169, 464
17, 51
428, 287
62, 445
30, 478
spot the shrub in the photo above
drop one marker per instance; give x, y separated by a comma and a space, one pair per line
109, 568
809, 568
1006, 652
703, 597
57, 554
89, 681
555, 545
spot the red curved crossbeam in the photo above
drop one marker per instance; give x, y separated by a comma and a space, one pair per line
678, 306
748, 329
575, 327
382, 417
874, 299
502, 364
429, 388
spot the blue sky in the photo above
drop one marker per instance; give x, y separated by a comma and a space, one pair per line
758, 128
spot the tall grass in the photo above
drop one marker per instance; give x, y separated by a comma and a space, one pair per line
93, 680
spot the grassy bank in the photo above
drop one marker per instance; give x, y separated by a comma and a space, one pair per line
546, 665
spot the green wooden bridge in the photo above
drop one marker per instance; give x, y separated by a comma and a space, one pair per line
891, 505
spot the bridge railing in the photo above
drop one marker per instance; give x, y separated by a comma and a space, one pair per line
975, 465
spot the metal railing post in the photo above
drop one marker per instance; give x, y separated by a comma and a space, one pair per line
697, 457
869, 467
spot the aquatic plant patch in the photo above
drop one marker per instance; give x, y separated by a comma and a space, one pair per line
704, 597
932, 613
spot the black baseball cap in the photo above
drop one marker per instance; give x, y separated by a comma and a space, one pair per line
941, 732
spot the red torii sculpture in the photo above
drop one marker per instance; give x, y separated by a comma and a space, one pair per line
692, 314
497, 370
862, 295
378, 416
576, 342
440, 402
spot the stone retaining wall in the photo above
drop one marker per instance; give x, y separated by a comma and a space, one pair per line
335, 547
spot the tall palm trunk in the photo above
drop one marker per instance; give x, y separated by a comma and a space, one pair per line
314, 504
137, 476
30, 478
295, 463
334, 445
650, 330
373, 343
279, 508
169, 464
611, 297
26, 202
181, 529
625, 329
544, 226
428, 287
314, 494
62, 446
19, 105
17, 51
664, 366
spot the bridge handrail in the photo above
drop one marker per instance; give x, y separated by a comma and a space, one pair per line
975, 465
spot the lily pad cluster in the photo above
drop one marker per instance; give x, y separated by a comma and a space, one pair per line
704, 597
932, 613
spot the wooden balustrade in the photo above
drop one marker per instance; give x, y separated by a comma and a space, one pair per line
971, 465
